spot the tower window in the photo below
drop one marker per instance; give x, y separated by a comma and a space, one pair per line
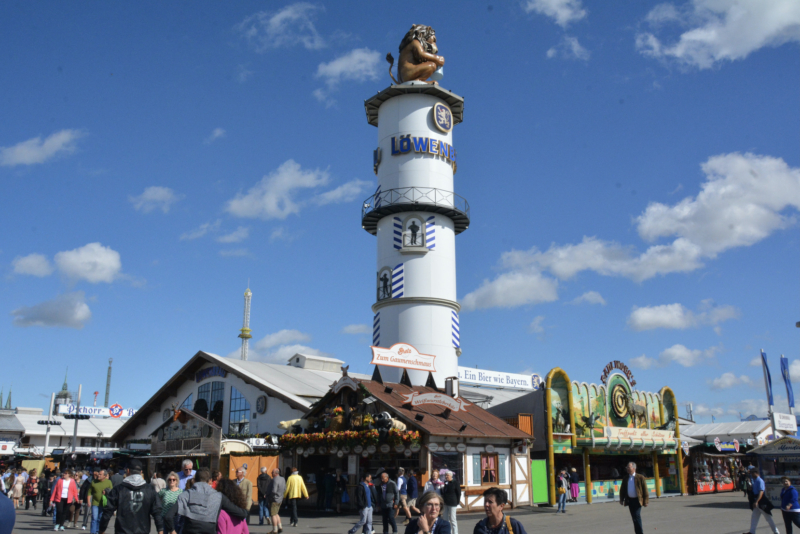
384, 284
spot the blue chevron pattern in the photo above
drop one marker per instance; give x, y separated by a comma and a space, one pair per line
377, 197
430, 232
398, 233
397, 281
376, 329
456, 335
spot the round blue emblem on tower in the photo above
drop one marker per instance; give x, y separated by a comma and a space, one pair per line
443, 117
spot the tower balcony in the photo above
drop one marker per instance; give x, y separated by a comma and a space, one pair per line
405, 199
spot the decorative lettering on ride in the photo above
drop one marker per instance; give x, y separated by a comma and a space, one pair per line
171, 433
637, 433
425, 145
439, 399
619, 366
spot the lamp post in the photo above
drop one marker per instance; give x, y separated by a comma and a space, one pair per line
99, 438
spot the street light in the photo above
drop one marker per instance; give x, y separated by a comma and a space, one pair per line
99, 438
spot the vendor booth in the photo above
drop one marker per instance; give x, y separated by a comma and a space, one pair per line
716, 460
371, 426
777, 459
598, 429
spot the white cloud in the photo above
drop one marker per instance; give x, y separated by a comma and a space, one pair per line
590, 297
274, 196
744, 199
569, 48
35, 150
282, 234
358, 65
234, 253
155, 197
242, 74
677, 317
721, 30
201, 230
360, 329
292, 25
755, 362
93, 263
238, 235
730, 380
69, 311
218, 133
703, 410
512, 289
33, 265
344, 193
279, 346
794, 370
676, 354
757, 407
561, 11
282, 337
536, 325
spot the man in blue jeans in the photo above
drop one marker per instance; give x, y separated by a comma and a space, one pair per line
100, 485
365, 499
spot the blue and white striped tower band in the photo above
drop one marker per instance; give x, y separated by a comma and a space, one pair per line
397, 223
397, 281
430, 232
377, 198
456, 334
376, 329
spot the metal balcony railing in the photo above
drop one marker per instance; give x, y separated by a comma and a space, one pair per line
404, 199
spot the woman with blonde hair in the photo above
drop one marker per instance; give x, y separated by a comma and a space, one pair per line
430, 506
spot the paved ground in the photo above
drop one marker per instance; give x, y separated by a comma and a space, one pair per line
726, 513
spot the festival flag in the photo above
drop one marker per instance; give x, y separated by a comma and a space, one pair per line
787, 379
767, 379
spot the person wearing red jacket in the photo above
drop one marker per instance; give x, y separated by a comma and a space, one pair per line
65, 492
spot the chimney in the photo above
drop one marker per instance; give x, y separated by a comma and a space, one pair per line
451, 386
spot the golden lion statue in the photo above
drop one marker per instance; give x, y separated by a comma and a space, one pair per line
418, 59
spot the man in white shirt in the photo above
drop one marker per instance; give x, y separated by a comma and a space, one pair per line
186, 474
635, 495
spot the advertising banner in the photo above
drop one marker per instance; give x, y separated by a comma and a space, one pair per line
785, 422
614, 432
498, 379
404, 356
116, 411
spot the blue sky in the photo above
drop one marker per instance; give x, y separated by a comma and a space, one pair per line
632, 172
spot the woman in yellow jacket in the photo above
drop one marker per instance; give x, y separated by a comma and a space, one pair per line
295, 490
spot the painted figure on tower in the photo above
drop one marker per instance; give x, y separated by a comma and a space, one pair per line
418, 58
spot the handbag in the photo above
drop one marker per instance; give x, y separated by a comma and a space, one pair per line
561, 491
345, 497
766, 505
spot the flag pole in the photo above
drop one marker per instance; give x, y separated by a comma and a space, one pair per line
768, 386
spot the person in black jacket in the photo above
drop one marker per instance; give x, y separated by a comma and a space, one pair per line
45, 487
83, 498
262, 484
199, 507
451, 494
135, 502
365, 500
388, 498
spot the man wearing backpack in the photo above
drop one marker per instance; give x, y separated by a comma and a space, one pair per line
494, 500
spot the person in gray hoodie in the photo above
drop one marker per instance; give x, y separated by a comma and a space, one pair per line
275, 491
135, 502
199, 507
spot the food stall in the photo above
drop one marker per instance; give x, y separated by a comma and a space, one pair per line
372, 426
777, 459
598, 429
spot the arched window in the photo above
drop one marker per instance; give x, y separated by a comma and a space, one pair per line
239, 420
187, 403
414, 233
210, 401
384, 283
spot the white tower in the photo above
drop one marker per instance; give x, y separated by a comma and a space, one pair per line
245, 331
416, 216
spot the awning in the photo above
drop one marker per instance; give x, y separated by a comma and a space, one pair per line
181, 455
